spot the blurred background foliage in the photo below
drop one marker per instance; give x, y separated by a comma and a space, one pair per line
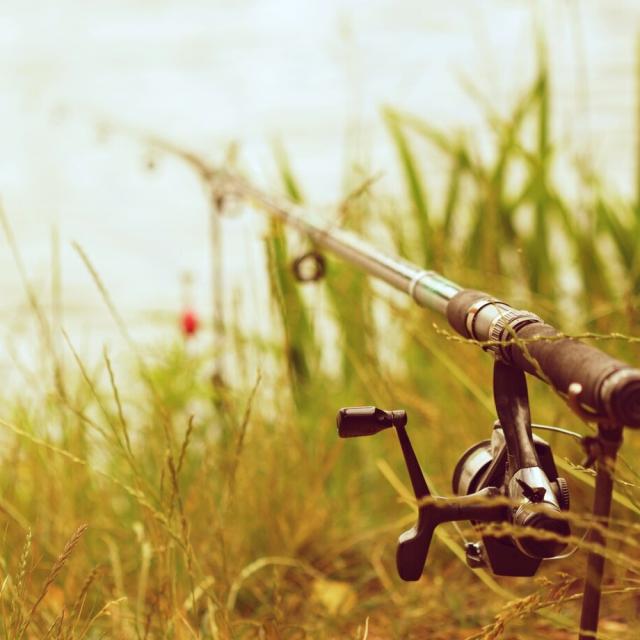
220, 503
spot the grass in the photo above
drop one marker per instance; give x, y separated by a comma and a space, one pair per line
142, 498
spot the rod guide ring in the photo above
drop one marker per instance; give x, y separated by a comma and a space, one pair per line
316, 271
411, 289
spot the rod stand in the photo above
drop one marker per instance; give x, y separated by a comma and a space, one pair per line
603, 450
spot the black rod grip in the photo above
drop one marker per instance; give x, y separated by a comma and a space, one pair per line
609, 386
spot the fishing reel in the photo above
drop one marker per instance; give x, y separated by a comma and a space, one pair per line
510, 479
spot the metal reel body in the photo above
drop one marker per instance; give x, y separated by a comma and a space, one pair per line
485, 465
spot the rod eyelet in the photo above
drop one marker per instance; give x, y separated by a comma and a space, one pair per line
309, 267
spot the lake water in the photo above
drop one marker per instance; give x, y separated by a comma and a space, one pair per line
204, 73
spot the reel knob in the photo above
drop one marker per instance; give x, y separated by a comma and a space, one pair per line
354, 422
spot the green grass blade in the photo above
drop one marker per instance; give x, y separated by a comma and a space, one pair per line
415, 186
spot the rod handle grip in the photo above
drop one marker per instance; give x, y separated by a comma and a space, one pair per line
610, 387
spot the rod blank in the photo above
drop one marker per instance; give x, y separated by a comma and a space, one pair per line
608, 388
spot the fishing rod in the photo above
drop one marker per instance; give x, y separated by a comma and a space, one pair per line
508, 485
597, 386
514, 464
